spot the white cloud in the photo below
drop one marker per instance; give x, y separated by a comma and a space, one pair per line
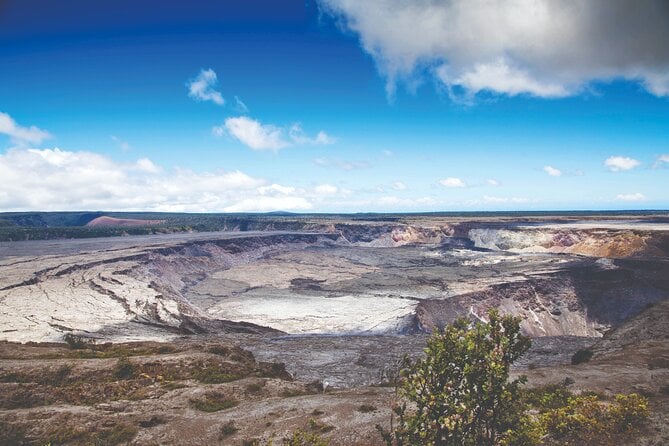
264, 204
619, 163
499, 77
543, 48
299, 137
21, 136
452, 182
203, 87
326, 189
552, 171
492, 182
661, 161
631, 197
258, 136
341, 164
55, 179
254, 134
276, 189
146, 165
398, 185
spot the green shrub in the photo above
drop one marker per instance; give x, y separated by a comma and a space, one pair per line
119, 434
228, 429
581, 356
302, 438
213, 402
317, 426
255, 387
460, 393
212, 374
76, 342
366, 408
547, 397
124, 369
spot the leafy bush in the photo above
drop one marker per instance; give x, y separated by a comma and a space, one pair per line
124, 369
76, 342
255, 387
581, 356
302, 438
214, 375
318, 426
213, 402
588, 420
228, 429
460, 392
366, 408
119, 434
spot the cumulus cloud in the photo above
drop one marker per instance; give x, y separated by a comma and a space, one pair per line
492, 182
55, 179
620, 163
259, 136
542, 48
452, 182
253, 134
19, 135
203, 87
631, 197
552, 171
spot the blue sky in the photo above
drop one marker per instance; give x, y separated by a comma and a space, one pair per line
333, 106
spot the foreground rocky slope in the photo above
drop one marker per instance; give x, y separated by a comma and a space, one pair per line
207, 390
263, 333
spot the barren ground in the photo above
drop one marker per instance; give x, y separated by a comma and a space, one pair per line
253, 324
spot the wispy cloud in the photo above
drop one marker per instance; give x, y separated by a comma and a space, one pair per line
492, 182
661, 161
502, 200
399, 185
123, 145
631, 197
552, 171
298, 136
259, 136
203, 87
341, 164
620, 163
241, 106
452, 182
19, 135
